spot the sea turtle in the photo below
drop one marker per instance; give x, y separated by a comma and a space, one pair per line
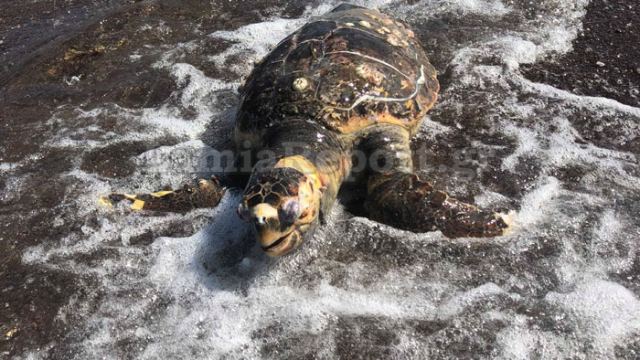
352, 80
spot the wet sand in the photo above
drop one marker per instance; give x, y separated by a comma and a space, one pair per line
604, 61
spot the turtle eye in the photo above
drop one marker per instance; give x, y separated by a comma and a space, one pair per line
289, 212
243, 212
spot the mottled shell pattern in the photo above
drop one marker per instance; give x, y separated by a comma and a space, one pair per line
346, 70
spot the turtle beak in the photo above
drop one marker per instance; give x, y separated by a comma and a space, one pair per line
284, 244
287, 242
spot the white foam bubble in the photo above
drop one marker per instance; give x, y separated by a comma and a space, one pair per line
608, 248
459, 303
197, 92
604, 311
6, 167
587, 102
538, 204
519, 341
431, 8
517, 344
253, 42
602, 315
493, 8
430, 129
527, 144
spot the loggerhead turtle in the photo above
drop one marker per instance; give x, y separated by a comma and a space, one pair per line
351, 80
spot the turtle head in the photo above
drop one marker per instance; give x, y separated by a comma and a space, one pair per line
283, 204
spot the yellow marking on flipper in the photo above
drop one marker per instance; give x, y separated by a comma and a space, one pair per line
104, 201
509, 219
129, 196
161, 193
137, 205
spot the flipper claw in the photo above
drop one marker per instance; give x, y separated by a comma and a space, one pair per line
104, 201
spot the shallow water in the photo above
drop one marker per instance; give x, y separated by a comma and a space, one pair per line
141, 111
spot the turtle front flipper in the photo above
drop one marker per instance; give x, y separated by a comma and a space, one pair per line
405, 201
398, 197
203, 193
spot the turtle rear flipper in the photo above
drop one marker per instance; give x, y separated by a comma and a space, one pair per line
203, 193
